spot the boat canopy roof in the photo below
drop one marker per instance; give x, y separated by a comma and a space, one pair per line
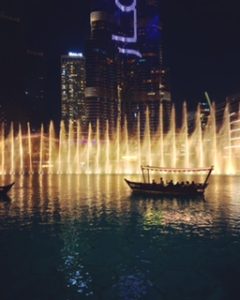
176, 170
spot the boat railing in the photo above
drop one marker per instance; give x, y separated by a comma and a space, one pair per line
147, 169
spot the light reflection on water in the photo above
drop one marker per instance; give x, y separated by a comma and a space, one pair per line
88, 236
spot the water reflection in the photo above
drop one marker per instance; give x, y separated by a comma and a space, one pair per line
74, 250
112, 245
90, 197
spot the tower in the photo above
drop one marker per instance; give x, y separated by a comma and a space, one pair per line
72, 87
101, 76
143, 76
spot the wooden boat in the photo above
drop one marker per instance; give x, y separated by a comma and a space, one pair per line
170, 189
4, 189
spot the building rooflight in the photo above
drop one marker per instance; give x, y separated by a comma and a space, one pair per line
75, 54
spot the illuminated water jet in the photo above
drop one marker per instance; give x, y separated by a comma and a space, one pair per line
70, 151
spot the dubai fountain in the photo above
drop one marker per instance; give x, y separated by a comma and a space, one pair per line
71, 152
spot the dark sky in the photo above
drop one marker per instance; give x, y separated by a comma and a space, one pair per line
201, 41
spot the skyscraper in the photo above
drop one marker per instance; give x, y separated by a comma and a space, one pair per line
35, 87
101, 72
73, 87
125, 73
22, 75
143, 76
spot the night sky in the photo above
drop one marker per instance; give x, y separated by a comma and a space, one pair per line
201, 42
202, 46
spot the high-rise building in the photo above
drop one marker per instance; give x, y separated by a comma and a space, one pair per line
22, 75
73, 87
144, 78
125, 72
101, 72
35, 87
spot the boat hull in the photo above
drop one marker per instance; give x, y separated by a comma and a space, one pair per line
5, 189
158, 189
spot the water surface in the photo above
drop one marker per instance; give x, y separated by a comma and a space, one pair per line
85, 237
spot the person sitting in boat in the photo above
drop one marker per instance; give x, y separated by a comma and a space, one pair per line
153, 181
161, 181
170, 183
193, 184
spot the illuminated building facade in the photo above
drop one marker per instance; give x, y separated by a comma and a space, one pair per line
205, 109
101, 72
127, 27
143, 78
125, 74
73, 87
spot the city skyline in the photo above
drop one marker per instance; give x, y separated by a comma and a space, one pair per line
200, 43
119, 149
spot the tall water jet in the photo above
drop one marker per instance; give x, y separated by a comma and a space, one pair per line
185, 136
118, 169
61, 145
147, 140
213, 136
20, 149
139, 147
161, 139
70, 147
77, 150
51, 148
40, 168
89, 147
126, 147
199, 139
107, 150
173, 138
12, 168
227, 135
123, 151
30, 149
98, 152
2, 149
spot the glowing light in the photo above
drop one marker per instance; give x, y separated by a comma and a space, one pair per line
130, 158
75, 54
131, 8
126, 8
72, 151
124, 39
129, 51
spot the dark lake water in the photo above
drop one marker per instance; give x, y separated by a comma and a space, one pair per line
86, 237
